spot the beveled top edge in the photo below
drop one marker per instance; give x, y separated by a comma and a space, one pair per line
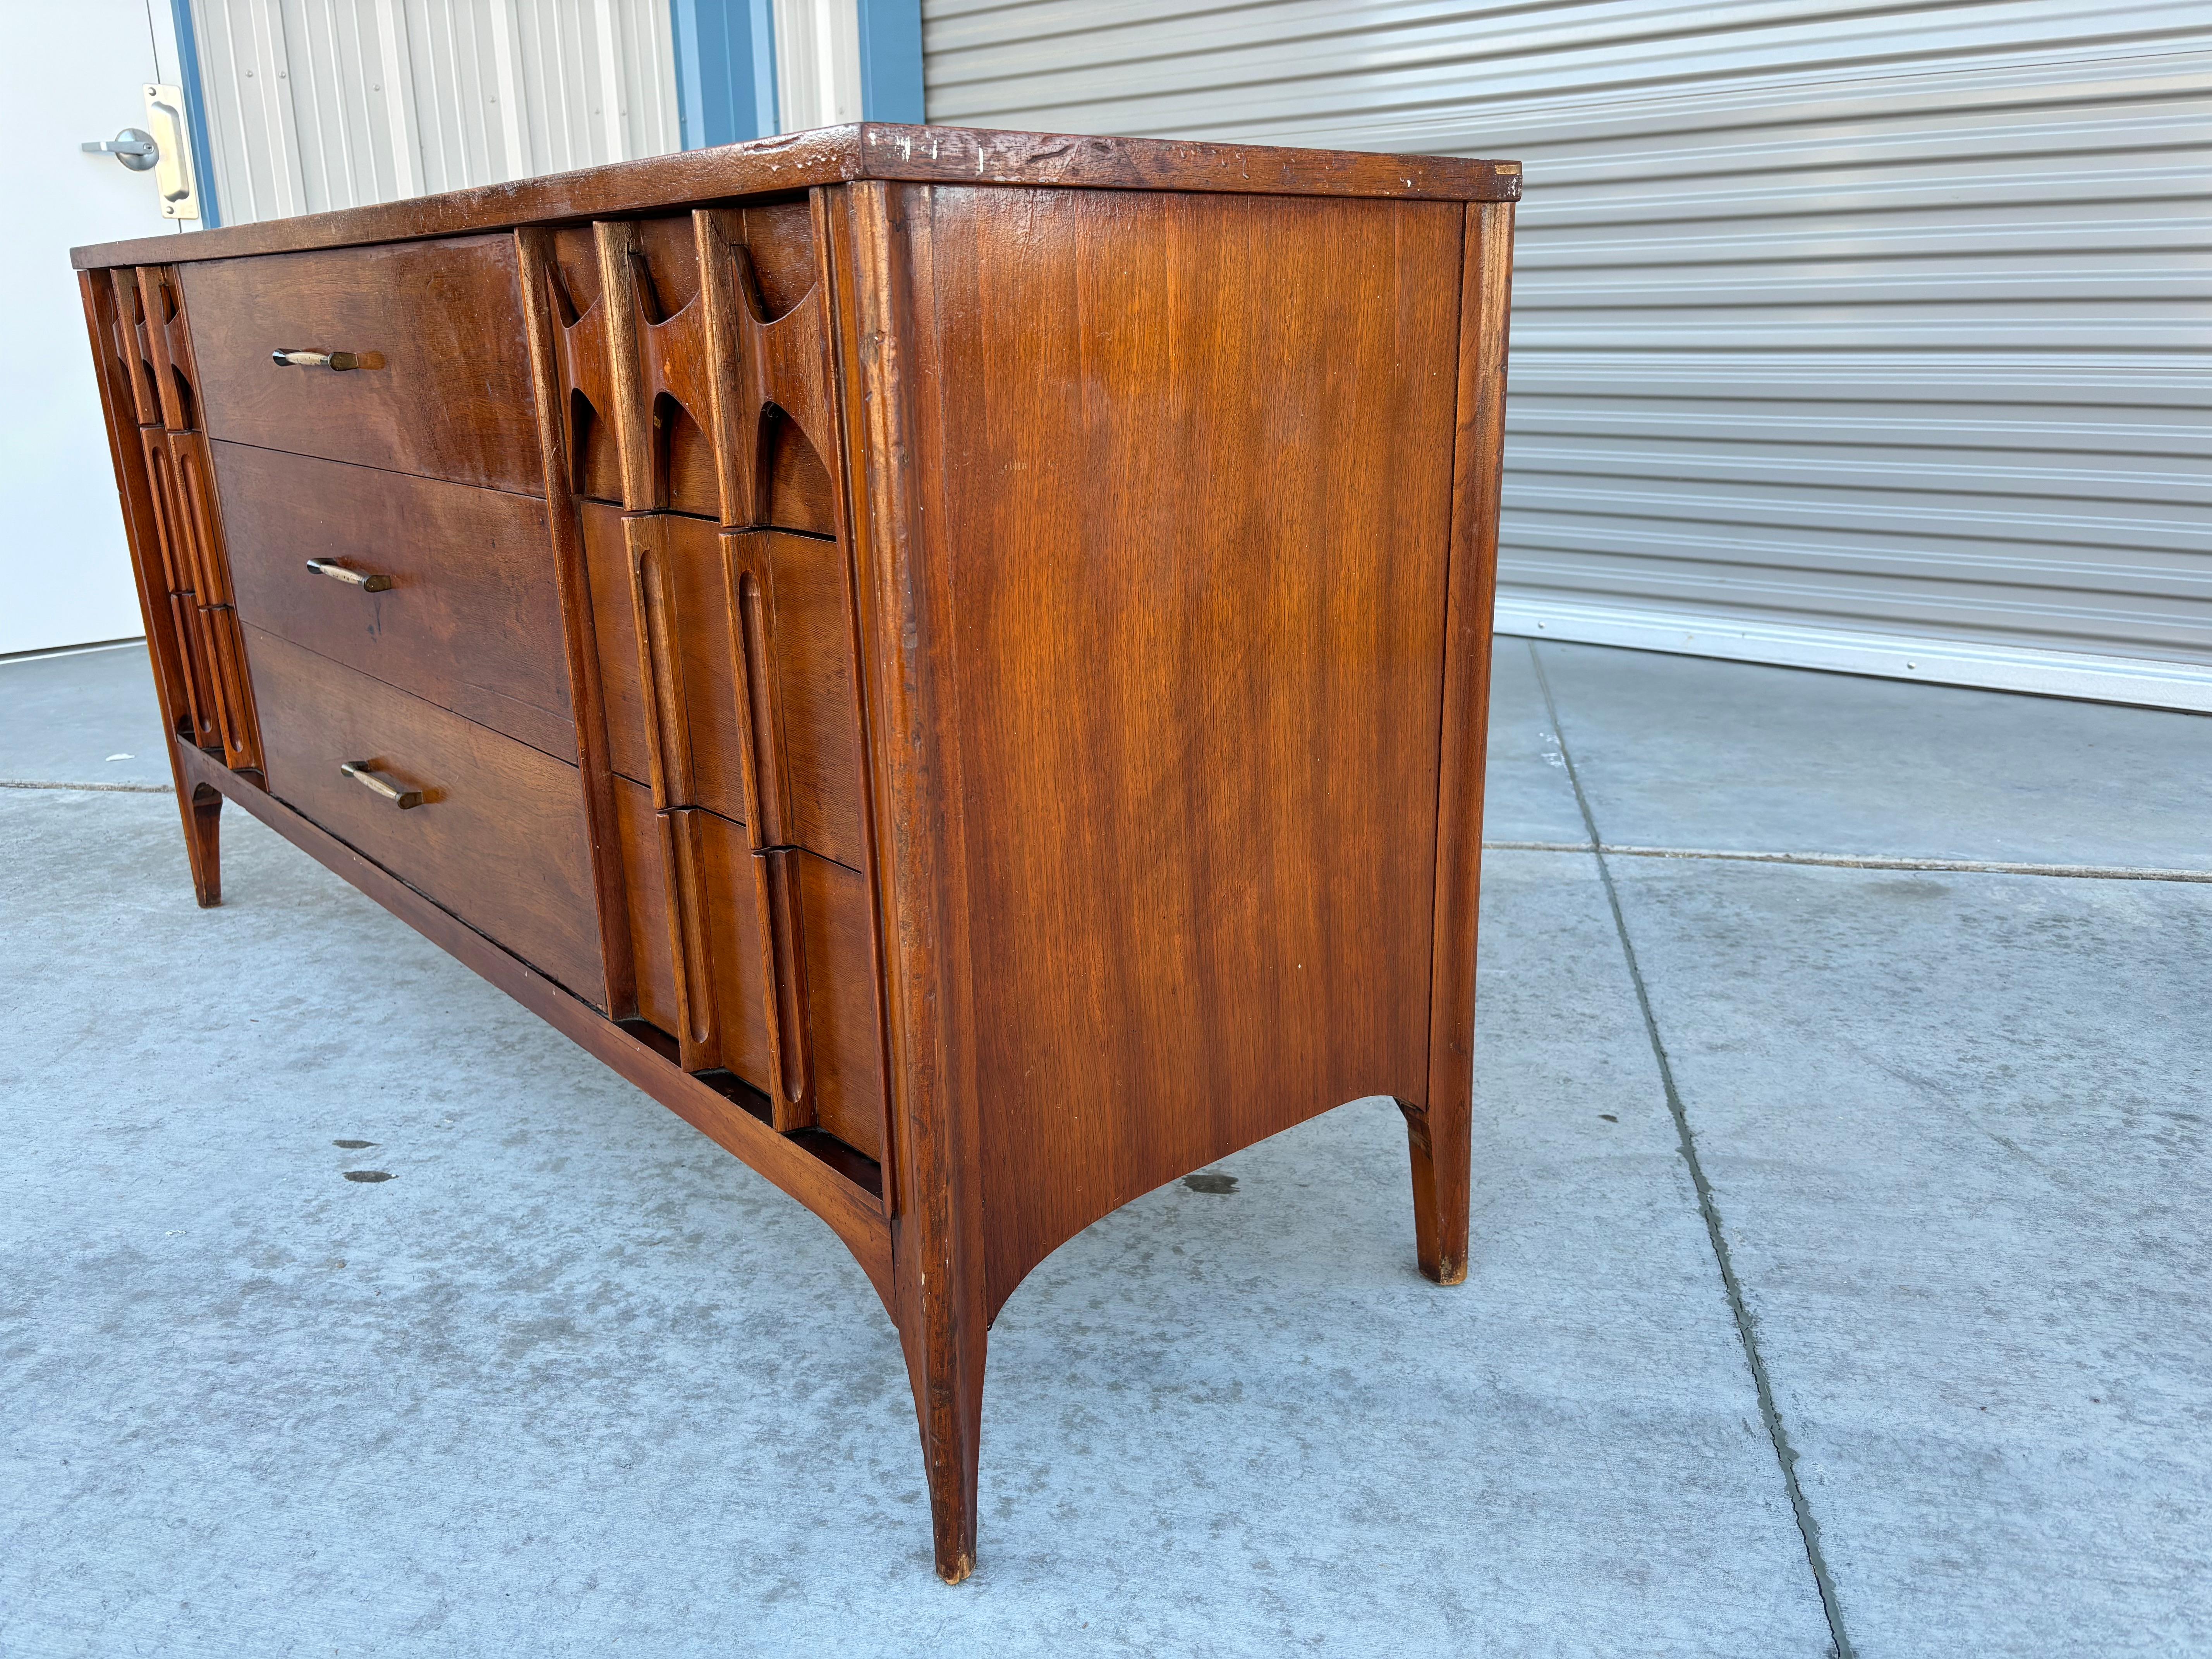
833, 156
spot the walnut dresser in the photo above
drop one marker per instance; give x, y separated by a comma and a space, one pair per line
956, 661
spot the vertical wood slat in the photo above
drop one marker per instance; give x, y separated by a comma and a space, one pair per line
550, 382
937, 1231
1439, 1125
152, 338
116, 372
836, 269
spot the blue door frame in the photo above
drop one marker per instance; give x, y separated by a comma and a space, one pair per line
725, 66
188, 72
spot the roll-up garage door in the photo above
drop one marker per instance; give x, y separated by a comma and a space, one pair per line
1864, 337
318, 104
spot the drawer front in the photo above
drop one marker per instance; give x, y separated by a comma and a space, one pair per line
451, 395
758, 964
499, 838
695, 351
470, 618
687, 695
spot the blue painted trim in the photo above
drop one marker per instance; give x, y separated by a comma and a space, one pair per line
765, 108
725, 71
890, 61
188, 73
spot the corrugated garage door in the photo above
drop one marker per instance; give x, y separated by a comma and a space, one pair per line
319, 104
1871, 339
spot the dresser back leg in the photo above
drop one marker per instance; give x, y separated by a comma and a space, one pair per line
201, 807
1440, 1137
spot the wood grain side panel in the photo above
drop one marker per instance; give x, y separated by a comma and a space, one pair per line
472, 619
453, 399
500, 840
1197, 465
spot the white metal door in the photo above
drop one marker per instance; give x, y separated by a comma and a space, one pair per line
71, 75
1866, 337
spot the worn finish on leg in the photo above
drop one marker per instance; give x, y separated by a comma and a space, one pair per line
945, 1363
1440, 1140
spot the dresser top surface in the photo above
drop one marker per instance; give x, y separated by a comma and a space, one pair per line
792, 162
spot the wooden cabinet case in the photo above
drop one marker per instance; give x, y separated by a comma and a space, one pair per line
956, 662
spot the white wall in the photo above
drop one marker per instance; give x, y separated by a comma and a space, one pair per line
70, 73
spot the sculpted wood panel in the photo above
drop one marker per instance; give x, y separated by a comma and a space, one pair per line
441, 590
446, 390
498, 836
773, 700
761, 964
183, 547
110, 304
701, 387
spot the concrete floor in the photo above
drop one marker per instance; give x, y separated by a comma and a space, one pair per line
1916, 1358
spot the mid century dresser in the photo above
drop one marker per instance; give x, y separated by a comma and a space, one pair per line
956, 661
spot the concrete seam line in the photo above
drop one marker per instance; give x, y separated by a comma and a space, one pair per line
1809, 1526
104, 788
1863, 861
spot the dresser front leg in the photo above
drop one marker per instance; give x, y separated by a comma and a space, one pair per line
944, 1362
201, 808
1440, 1139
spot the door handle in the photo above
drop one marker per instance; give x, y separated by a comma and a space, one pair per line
134, 147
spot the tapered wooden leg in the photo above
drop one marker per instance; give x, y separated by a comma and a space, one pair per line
202, 808
1440, 1139
945, 1361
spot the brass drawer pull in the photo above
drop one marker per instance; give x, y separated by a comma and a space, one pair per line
368, 581
303, 357
363, 775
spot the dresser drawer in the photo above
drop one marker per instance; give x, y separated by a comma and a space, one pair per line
702, 936
446, 393
499, 838
470, 618
793, 667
